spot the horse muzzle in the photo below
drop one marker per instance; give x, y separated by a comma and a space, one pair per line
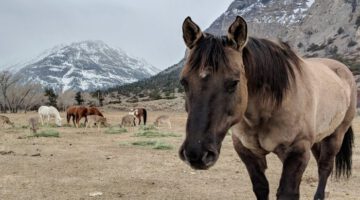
200, 159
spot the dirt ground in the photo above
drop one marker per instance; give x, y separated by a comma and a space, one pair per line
79, 163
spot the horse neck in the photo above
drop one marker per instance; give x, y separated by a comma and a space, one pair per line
56, 113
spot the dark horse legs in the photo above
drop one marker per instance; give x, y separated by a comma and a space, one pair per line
256, 167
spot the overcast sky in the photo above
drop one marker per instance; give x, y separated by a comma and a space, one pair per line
149, 29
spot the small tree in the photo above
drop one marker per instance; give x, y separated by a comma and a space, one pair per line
155, 95
99, 95
52, 97
78, 98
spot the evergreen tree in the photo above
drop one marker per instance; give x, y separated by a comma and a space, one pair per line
78, 98
99, 95
52, 97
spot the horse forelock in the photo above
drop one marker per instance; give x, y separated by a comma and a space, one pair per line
208, 55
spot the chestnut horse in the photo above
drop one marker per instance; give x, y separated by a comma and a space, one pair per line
273, 101
140, 112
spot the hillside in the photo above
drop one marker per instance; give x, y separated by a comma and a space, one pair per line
166, 81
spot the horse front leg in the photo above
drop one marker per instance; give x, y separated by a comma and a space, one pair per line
294, 164
48, 120
77, 118
73, 119
42, 121
256, 166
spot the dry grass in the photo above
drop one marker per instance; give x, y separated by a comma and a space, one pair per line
79, 162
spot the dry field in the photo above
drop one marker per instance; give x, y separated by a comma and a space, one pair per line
80, 163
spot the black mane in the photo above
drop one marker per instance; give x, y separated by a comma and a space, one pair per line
269, 67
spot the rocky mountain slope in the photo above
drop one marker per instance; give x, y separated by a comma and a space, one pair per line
312, 27
87, 65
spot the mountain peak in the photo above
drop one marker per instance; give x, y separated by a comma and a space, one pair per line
86, 65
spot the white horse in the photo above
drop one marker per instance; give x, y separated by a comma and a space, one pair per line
47, 112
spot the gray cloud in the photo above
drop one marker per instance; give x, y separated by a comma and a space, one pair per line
146, 29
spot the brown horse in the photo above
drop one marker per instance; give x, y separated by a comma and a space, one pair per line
140, 112
273, 100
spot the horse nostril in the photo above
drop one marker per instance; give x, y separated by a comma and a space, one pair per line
182, 154
209, 157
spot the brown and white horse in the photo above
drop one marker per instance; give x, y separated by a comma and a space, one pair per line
140, 113
273, 100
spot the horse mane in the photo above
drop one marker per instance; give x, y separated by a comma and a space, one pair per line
269, 66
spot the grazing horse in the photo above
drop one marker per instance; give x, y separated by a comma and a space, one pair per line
47, 112
162, 119
34, 123
140, 112
5, 120
273, 101
128, 121
95, 119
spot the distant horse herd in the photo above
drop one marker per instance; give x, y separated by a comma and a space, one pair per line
92, 116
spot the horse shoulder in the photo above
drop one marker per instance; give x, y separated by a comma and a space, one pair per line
265, 127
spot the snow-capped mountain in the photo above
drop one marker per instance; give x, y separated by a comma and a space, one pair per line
86, 65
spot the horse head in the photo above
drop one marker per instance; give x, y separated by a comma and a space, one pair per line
58, 121
215, 90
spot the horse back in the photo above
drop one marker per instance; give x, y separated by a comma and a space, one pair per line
333, 92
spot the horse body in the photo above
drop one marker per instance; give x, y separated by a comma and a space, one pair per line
162, 119
5, 120
128, 121
95, 119
33, 123
47, 112
273, 100
274, 125
140, 112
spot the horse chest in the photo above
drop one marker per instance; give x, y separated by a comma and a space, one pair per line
262, 139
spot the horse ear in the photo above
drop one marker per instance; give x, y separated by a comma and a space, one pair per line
237, 33
191, 33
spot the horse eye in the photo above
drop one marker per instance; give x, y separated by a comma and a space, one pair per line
230, 86
185, 84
